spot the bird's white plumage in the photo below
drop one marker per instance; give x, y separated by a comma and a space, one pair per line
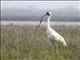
52, 34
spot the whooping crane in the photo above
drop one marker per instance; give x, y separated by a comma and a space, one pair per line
51, 33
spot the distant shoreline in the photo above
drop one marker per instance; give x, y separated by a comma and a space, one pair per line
68, 23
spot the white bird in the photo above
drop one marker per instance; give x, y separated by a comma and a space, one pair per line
51, 33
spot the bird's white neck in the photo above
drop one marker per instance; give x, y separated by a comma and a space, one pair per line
48, 21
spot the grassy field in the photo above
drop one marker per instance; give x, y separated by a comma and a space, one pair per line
21, 43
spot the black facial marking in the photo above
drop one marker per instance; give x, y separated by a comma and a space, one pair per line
48, 13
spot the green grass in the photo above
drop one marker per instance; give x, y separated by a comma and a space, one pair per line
21, 43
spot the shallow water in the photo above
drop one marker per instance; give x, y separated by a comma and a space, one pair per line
37, 22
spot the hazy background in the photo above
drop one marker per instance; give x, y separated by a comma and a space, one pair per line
33, 10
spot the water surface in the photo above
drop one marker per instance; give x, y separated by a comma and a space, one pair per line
37, 22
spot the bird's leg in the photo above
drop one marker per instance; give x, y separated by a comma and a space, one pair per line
50, 43
56, 46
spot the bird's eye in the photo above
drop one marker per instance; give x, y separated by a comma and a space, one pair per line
48, 13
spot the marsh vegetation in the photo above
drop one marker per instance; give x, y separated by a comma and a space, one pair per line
21, 43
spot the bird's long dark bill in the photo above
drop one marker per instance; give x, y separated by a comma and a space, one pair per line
39, 23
